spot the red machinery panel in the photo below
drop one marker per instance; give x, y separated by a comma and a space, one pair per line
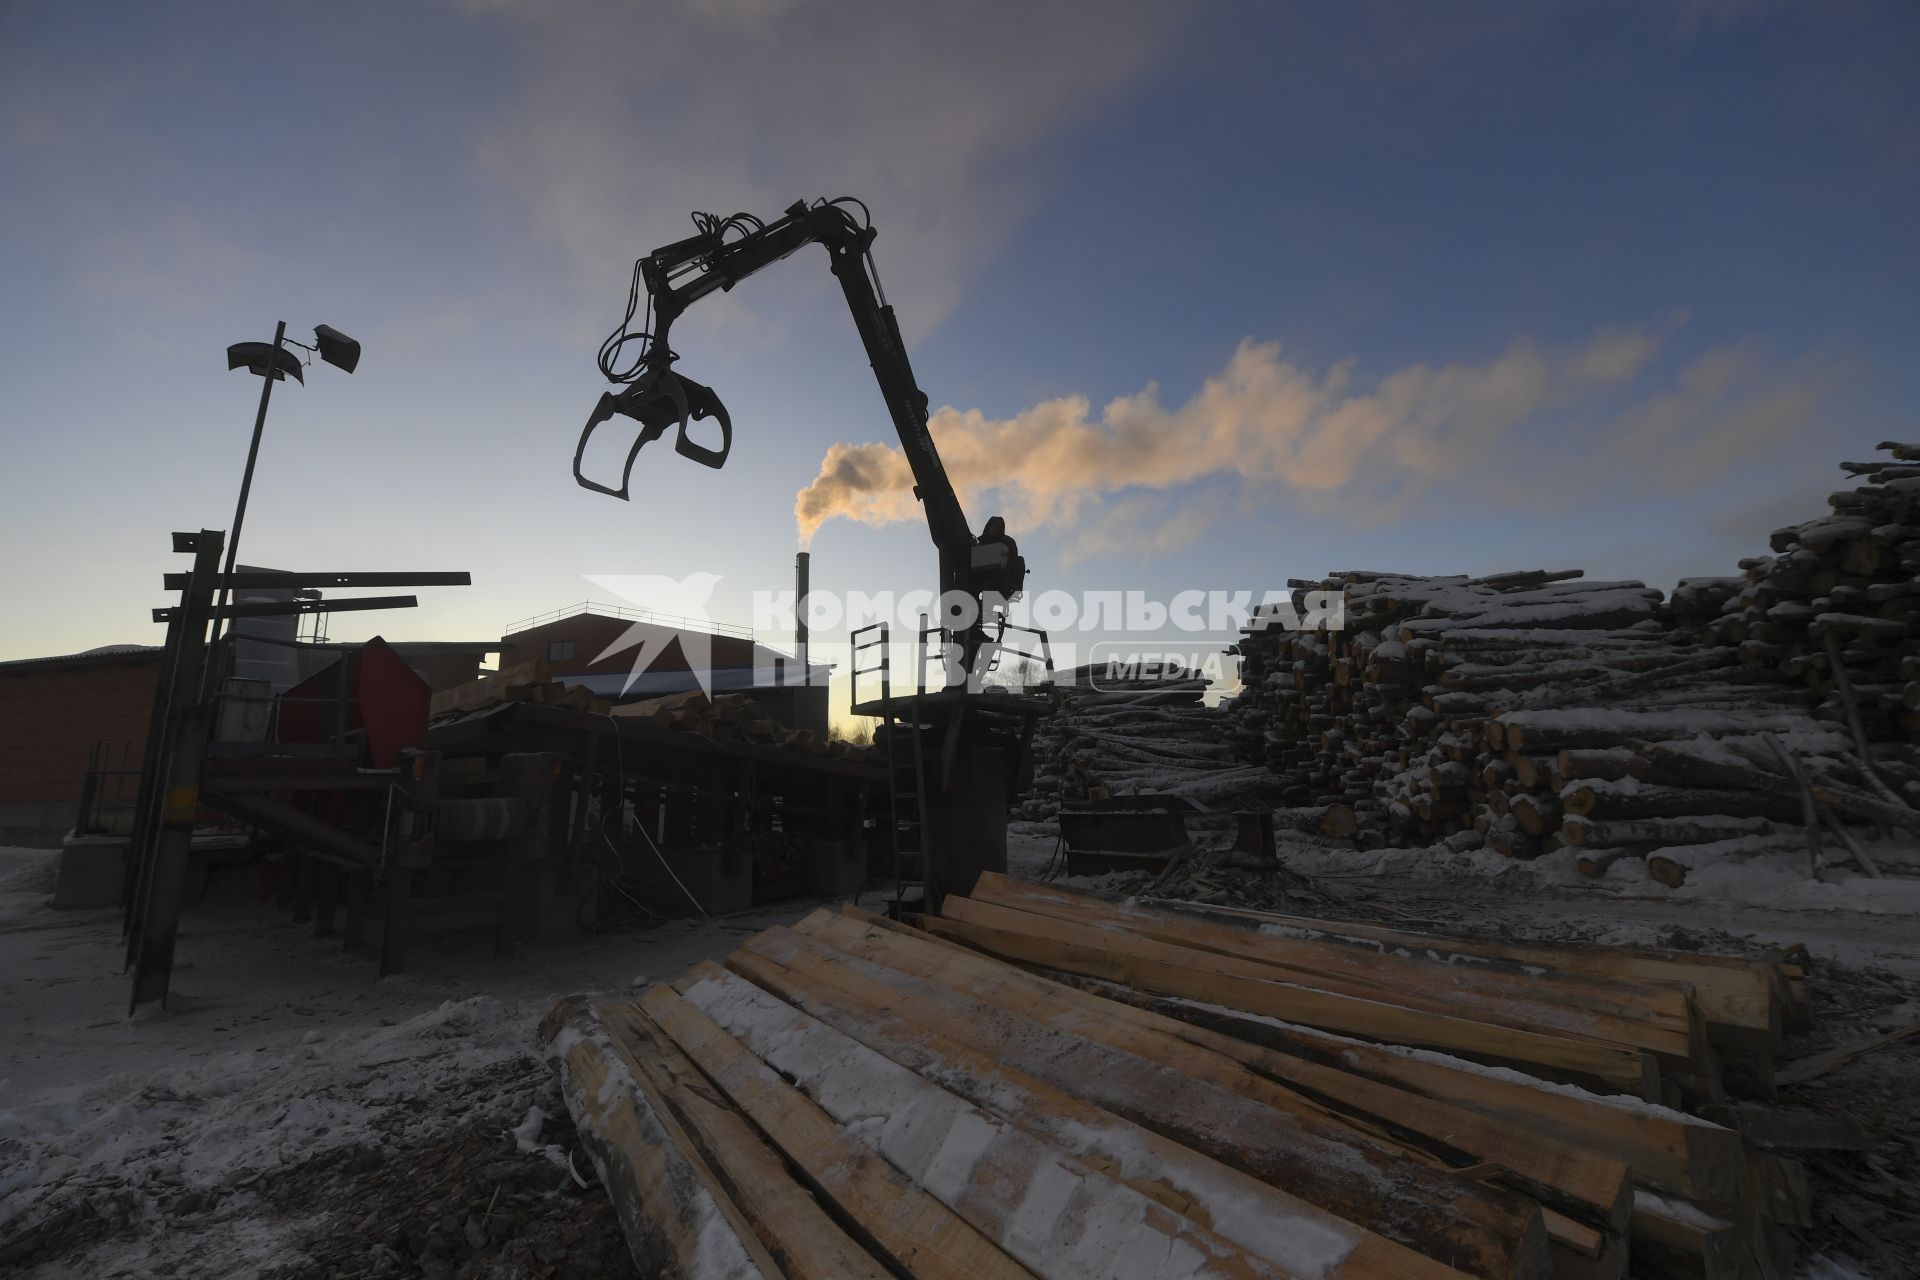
383, 695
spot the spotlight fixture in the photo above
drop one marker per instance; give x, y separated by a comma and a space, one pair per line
336, 348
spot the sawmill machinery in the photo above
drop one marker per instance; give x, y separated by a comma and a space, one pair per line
965, 748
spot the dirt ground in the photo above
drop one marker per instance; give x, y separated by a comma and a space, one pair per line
292, 1115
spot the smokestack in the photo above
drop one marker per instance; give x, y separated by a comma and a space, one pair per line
801, 564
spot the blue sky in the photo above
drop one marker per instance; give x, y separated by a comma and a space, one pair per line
1434, 287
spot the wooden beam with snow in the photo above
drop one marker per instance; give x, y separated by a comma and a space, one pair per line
1055, 1212
1667, 1148
1585, 1183
922, 1235
1727, 990
802, 1238
677, 1216
1198, 1136
1657, 1019
1181, 971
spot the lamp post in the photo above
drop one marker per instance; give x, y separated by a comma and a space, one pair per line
273, 363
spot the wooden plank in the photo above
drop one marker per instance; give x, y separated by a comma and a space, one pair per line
677, 1217
1109, 1105
1673, 1151
1054, 1212
803, 1240
1657, 1019
1727, 990
1673, 1238
1609, 1264
1589, 1184
923, 1236
1181, 971
1390, 966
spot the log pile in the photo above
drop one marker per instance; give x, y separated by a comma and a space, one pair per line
1133, 735
1384, 725
1045, 1084
1837, 606
1533, 711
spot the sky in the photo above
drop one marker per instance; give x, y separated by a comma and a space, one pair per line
1205, 296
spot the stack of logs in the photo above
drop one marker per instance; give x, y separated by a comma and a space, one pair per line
1836, 606
1134, 734
1532, 711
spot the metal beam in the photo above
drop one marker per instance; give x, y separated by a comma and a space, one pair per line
159, 886
284, 608
254, 579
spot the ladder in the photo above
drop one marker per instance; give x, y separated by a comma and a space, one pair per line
913, 892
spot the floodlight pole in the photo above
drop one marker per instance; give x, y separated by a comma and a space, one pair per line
240, 512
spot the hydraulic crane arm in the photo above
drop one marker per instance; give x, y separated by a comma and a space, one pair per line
677, 275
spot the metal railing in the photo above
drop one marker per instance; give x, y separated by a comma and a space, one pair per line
109, 791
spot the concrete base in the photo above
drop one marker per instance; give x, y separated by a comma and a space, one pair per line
92, 872
36, 824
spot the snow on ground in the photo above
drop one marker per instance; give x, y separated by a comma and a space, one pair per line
293, 1114
192, 1141
1842, 916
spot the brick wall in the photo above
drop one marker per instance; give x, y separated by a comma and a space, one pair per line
52, 713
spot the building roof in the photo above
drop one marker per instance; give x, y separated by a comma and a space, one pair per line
625, 613
104, 653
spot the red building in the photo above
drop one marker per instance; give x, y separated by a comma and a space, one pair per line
53, 711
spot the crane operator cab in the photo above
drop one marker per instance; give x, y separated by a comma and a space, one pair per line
997, 567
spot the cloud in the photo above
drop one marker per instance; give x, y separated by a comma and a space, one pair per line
1272, 425
628, 116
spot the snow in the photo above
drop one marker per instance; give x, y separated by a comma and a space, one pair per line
1065, 1219
1678, 1210
173, 1126
1618, 1101
275, 1047
1759, 870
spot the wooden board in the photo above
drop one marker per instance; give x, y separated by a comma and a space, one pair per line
676, 1214
1727, 990
1051, 1210
922, 1235
803, 1239
1180, 971
1585, 1183
1305, 1163
1657, 1019
1675, 1152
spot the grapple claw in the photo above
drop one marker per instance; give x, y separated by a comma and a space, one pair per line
660, 399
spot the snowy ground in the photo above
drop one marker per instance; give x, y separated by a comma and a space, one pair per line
291, 1114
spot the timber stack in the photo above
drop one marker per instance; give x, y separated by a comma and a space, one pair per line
1837, 606
1533, 711
1038, 1083
1132, 733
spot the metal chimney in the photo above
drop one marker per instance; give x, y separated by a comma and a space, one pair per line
801, 564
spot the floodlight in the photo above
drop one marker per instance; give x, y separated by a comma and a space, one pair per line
336, 348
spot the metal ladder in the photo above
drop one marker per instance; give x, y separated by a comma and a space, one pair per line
906, 778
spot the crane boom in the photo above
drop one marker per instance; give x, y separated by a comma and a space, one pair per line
986, 570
